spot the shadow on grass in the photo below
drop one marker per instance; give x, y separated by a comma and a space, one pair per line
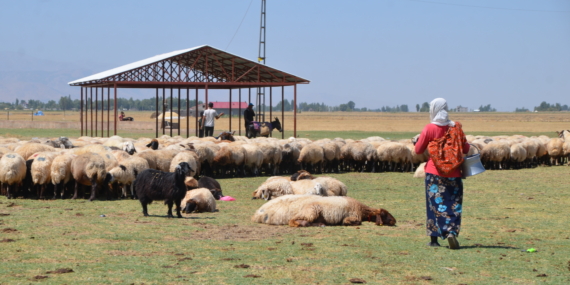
487, 246
183, 218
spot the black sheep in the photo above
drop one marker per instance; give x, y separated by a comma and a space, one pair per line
212, 185
153, 144
154, 184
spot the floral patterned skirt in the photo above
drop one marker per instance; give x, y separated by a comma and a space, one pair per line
444, 199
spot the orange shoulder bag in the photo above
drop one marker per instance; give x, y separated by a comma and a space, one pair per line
447, 152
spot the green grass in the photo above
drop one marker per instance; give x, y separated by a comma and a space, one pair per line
505, 212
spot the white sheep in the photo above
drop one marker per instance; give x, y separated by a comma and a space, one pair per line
308, 186
311, 210
12, 172
253, 158
41, 170
189, 157
198, 200
61, 172
312, 154
332, 186
125, 173
274, 186
89, 169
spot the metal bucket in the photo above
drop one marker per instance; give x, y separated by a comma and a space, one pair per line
472, 164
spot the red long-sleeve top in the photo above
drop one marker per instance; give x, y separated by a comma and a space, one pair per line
429, 133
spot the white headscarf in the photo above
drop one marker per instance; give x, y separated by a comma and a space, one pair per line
438, 113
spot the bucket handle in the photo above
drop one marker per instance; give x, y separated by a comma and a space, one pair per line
476, 148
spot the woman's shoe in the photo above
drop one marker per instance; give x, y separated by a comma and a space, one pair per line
433, 244
453, 243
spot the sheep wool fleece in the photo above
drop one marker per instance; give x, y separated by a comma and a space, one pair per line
444, 205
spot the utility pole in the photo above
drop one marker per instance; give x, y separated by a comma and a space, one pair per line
261, 59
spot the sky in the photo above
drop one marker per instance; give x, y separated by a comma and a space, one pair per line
507, 53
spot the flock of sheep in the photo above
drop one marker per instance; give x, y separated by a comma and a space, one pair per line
53, 168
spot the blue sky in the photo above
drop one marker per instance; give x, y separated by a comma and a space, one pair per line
507, 53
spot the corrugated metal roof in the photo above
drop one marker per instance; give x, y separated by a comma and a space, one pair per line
132, 66
158, 58
226, 105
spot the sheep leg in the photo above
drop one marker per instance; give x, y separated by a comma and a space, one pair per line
93, 189
177, 203
76, 187
170, 204
351, 221
8, 195
144, 204
306, 217
41, 190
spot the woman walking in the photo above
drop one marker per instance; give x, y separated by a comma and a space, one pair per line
444, 192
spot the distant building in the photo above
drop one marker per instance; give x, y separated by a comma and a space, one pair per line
225, 107
461, 109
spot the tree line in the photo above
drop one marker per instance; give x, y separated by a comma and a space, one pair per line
66, 103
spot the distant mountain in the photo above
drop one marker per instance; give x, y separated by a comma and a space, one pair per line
25, 77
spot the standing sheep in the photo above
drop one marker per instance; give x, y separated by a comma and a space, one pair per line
89, 169
61, 173
153, 185
12, 172
313, 155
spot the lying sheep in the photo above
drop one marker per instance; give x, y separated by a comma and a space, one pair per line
212, 184
307, 186
153, 185
12, 172
311, 210
274, 186
198, 200
331, 186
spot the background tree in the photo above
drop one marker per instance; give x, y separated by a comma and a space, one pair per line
417, 107
351, 105
425, 107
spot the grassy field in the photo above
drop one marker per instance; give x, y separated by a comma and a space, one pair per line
505, 213
315, 125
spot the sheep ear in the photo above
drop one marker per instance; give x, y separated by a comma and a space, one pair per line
379, 220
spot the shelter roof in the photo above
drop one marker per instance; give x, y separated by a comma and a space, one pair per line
191, 68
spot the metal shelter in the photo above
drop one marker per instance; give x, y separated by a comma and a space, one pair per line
202, 67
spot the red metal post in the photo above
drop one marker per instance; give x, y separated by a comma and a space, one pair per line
91, 107
108, 110
270, 106
283, 111
230, 115
178, 110
163, 109
102, 111
295, 111
115, 106
197, 127
170, 111
81, 112
96, 110
239, 112
156, 110
187, 112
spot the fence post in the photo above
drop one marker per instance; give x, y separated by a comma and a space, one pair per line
32, 116
8, 114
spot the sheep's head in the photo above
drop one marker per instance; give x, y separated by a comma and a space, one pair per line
129, 147
382, 218
190, 207
153, 144
183, 168
217, 193
318, 189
